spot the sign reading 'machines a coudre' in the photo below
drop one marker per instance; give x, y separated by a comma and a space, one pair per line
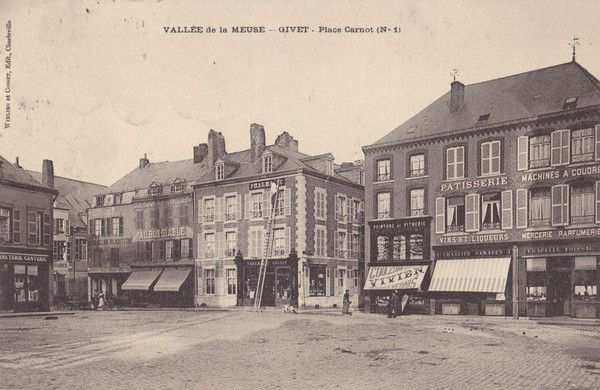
560, 173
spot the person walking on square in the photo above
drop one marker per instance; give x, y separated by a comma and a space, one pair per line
394, 305
346, 303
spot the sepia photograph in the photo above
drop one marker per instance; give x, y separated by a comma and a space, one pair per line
303, 194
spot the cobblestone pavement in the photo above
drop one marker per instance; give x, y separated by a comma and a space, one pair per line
193, 350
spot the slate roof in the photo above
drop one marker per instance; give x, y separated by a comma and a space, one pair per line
517, 97
12, 173
73, 195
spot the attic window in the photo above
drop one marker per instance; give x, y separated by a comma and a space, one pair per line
411, 129
570, 103
220, 171
483, 117
267, 165
329, 167
155, 190
178, 187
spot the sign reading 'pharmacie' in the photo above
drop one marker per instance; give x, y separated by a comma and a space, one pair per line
395, 277
259, 185
172, 232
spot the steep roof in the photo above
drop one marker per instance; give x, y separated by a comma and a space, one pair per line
73, 195
520, 96
9, 172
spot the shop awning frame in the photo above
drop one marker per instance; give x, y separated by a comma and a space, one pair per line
141, 280
172, 279
487, 275
397, 277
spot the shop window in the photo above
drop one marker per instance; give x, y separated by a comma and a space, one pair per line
399, 248
26, 283
540, 207
490, 158
383, 205
455, 214
209, 245
582, 204
231, 244
417, 165
383, 250
416, 247
585, 277
384, 172
231, 281
169, 250
4, 225
490, 211
455, 163
316, 281
539, 151
536, 279
209, 281
231, 207
417, 201
209, 210
582, 145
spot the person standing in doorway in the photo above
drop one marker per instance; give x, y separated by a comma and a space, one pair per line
346, 303
394, 305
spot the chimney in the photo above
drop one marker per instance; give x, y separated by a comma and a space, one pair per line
216, 146
200, 152
257, 140
48, 174
285, 140
457, 95
17, 163
144, 161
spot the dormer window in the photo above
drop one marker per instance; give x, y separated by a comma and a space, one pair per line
267, 164
178, 186
220, 171
154, 190
99, 201
329, 167
570, 103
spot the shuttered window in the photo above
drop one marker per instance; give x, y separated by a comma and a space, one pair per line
490, 157
507, 210
540, 207
522, 208
472, 212
440, 215
455, 162
560, 205
522, 153
560, 147
16, 225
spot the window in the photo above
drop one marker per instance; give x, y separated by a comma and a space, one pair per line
80, 249
155, 190
35, 227
455, 163
97, 227
383, 170
209, 281
356, 211
582, 145
341, 209
570, 103
416, 247
209, 210
231, 281
256, 242
99, 201
355, 246
154, 217
16, 216
279, 242
536, 279
417, 201
355, 277
583, 204
455, 214
4, 225
209, 245
342, 244
320, 241
231, 244
559, 147
117, 226
329, 167
341, 279
267, 164
399, 248
118, 199
256, 202
584, 277
167, 217
279, 208
539, 207
178, 187
183, 216
139, 219
316, 281
383, 248
539, 151
383, 205
26, 283
320, 203
490, 158
417, 165
220, 171
59, 225
231, 208
490, 211
58, 250
185, 248
169, 250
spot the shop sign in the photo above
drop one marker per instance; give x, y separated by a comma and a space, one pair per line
472, 253
22, 257
473, 238
171, 232
164, 202
259, 185
400, 224
274, 263
395, 277
562, 233
473, 184
109, 241
560, 249
560, 173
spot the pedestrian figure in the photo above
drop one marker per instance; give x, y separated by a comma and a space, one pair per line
101, 301
394, 305
346, 303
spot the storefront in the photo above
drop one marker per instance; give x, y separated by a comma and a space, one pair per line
23, 282
280, 282
407, 280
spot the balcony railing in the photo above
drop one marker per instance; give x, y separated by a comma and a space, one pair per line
417, 172
539, 222
582, 219
209, 218
490, 226
541, 163
383, 177
229, 252
383, 215
455, 228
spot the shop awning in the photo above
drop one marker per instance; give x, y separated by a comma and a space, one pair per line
395, 277
140, 280
172, 279
470, 275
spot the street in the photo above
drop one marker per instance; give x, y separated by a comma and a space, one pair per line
242, 349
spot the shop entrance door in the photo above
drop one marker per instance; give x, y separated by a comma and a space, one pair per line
268, 298
559, 292
282, 286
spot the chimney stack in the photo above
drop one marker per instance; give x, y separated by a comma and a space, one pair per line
48, 174
144, 161
17, 162
257, 140
200, 153
457, 95
285, 140
216, 146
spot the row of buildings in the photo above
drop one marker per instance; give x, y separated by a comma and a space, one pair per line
485, 202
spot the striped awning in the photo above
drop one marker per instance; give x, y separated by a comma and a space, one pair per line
172, 279
140, 280
403, 277
470, 275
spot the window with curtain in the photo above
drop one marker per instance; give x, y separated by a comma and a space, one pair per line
383, 205
585, 277
539, 151
582, 204
417, 201
399, 248
417, 165
490, 211
383, 170
416, 246
582, 145
490, 158
383, 250
540, 207
455, 214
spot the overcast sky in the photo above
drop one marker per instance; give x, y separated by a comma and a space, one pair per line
95, 84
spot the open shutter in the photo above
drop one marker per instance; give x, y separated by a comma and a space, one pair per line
220, 237
200, 206
440, 215
288, 240
521, 208
287, 199
597, 137
200, 245
460, 162
522, 153
472, 212
450, 160
266, 203
555, 148
220, 206
560, 205
565, 146
17, 225
247, 205
67, 227
337, 207
238, 205
507, 210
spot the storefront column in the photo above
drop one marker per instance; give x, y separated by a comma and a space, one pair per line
515, 282
89, 289
293, 264
239, 261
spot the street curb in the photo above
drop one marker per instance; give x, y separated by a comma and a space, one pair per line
37, 314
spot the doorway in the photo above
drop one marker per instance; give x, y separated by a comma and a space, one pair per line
559, 287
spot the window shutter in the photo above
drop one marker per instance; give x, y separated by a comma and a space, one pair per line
46, 231
247, 205
565, 137
120, 226
560, 141
560, 205
522, 153
67, 227
337, 207
450, 164
507, 210
238, 203
472, 212
288, 240
16, 225
597, 135
324, 205
200, 210
287, 199
460, 162
200, 245
440, 215
266, 195
220, 237
555, 148
335, 244
485, 155
521, 208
